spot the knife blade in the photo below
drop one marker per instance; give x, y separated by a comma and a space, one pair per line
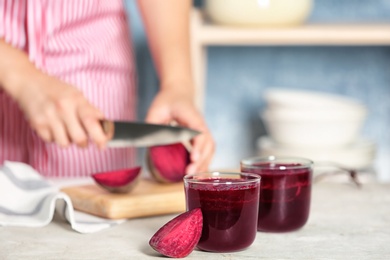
137, 134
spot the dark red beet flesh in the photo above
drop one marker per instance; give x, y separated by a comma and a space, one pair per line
179, 237
167, 163
119, 181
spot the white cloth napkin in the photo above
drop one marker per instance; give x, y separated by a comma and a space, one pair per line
28, 200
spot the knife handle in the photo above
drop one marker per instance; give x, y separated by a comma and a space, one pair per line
108, 128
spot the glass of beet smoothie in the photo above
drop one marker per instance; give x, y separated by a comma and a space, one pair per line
285, 191
229, 204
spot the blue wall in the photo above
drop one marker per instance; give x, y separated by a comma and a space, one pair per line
238, 75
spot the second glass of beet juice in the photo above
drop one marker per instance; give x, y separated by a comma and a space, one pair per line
285, 191
229, 204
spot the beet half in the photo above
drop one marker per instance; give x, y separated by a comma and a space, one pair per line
118, 181
179, 237
167, 163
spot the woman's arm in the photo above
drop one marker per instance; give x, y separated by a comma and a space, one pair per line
57, 111
167, 27
11, 61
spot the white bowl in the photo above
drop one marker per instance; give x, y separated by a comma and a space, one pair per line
312, 119
288, 98
313, 128
358, 155
258, 12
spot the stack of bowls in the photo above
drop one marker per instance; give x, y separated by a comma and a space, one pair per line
320, 126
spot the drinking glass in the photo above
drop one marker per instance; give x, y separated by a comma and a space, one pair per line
285, 191
229, 204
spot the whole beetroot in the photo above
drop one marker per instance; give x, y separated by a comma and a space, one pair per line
167, 163
179, 237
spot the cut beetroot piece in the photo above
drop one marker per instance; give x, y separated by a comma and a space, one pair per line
179, 237
167, 163
119, 181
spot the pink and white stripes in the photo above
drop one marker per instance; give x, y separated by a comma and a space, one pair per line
87, 44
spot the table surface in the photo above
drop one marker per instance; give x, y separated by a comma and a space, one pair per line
345, 223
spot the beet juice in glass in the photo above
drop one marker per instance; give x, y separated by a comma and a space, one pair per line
285, 191
229, 204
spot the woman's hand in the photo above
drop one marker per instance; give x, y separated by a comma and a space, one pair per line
59, 113
167, 27
169, 106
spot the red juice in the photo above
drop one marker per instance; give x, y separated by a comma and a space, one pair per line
230, 212
285, 195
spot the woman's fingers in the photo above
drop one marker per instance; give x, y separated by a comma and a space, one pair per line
81, 120
201, 154
70, 121
90, 119
95, 132
59, 132
75, 130
45, 134
203, 144
48, 125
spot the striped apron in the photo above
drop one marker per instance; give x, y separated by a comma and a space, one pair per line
85, 43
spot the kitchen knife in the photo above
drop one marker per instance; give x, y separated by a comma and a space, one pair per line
136, 134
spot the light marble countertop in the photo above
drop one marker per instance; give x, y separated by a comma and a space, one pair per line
345, 223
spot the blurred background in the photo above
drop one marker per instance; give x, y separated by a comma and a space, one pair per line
238, 77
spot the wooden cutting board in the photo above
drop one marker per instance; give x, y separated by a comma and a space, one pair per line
148, 198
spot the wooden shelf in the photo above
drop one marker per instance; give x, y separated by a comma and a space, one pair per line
312, 34
205, 34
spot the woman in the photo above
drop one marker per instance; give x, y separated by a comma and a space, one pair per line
67, 64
